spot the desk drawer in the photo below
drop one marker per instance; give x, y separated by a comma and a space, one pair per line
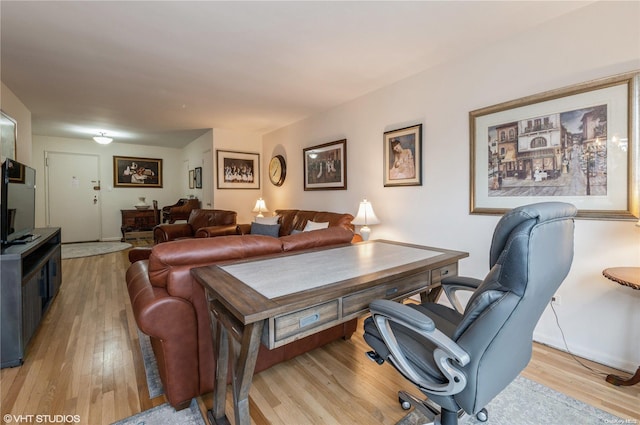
391, 290
449, 270
303, 320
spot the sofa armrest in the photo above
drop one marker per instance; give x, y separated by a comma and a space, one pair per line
212, 231
139, 253
243, 229
169, 232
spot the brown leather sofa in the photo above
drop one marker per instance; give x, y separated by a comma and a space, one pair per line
170, 306
200, 224
180, 210
291, 220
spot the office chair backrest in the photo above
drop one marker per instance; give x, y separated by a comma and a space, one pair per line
531, 254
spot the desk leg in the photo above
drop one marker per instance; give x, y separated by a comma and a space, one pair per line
617, 380
217, 414
243, 366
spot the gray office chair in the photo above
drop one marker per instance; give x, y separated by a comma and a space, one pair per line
462, 359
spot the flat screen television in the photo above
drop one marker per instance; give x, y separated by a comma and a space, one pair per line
18, 202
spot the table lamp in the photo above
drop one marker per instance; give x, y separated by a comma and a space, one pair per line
260, 207
364, 218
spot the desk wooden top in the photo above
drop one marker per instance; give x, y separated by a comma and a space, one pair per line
627, 276
353, 267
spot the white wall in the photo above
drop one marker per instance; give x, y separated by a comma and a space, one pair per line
112, 199
601, 320
13, 107
199, 154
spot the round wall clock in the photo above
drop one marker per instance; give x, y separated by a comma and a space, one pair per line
277, 170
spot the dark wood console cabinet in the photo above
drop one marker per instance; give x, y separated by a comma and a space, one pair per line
138, 221
31, 276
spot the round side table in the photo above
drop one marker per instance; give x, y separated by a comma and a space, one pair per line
627, 276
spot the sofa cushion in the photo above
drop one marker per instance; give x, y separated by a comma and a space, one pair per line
265, 229
316, 238
297, 219
268, 220
312, 225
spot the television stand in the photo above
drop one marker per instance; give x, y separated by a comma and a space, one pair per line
25, 239
31, 274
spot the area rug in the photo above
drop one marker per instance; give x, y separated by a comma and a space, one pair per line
87, 249
150, 366
526, 402
166, 415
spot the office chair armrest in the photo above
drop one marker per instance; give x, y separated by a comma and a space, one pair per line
446, 356
452, 284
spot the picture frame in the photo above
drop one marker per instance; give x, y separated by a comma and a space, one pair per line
403, 157
192, 179
129, 171
8, 137
238, 170
325, 166
577, 144
197, 177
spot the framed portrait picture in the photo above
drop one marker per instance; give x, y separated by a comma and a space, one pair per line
403, 157
325, 166
238, 170
577, 144
8, 137
129, 171
192, 180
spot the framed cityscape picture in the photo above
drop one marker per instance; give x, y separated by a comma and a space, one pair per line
8, 139
578, 144
325, 166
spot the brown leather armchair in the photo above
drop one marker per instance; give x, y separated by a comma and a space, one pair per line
200, 224
180, 210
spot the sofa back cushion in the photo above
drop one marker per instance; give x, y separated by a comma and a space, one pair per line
207, 218
170, 263
316, 238
297, 219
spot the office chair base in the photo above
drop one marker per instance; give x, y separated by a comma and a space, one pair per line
432, 411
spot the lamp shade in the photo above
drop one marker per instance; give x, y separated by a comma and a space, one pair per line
365, 215
260, 207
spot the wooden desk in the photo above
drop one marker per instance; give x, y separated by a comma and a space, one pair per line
280, 299
627, 276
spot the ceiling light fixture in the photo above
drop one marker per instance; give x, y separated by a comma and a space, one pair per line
102, 139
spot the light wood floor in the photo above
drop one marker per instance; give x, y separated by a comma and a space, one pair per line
85, 360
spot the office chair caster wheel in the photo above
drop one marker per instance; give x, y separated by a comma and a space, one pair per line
404, 404
482, 415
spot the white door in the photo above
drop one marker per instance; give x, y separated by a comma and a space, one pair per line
73, 195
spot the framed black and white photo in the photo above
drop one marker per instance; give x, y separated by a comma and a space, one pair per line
238, 170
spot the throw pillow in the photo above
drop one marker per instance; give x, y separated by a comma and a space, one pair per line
265, 229
312, 225
267, 220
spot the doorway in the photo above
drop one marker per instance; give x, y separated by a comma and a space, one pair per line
73, 195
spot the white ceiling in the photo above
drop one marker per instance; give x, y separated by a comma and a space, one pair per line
161, 73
